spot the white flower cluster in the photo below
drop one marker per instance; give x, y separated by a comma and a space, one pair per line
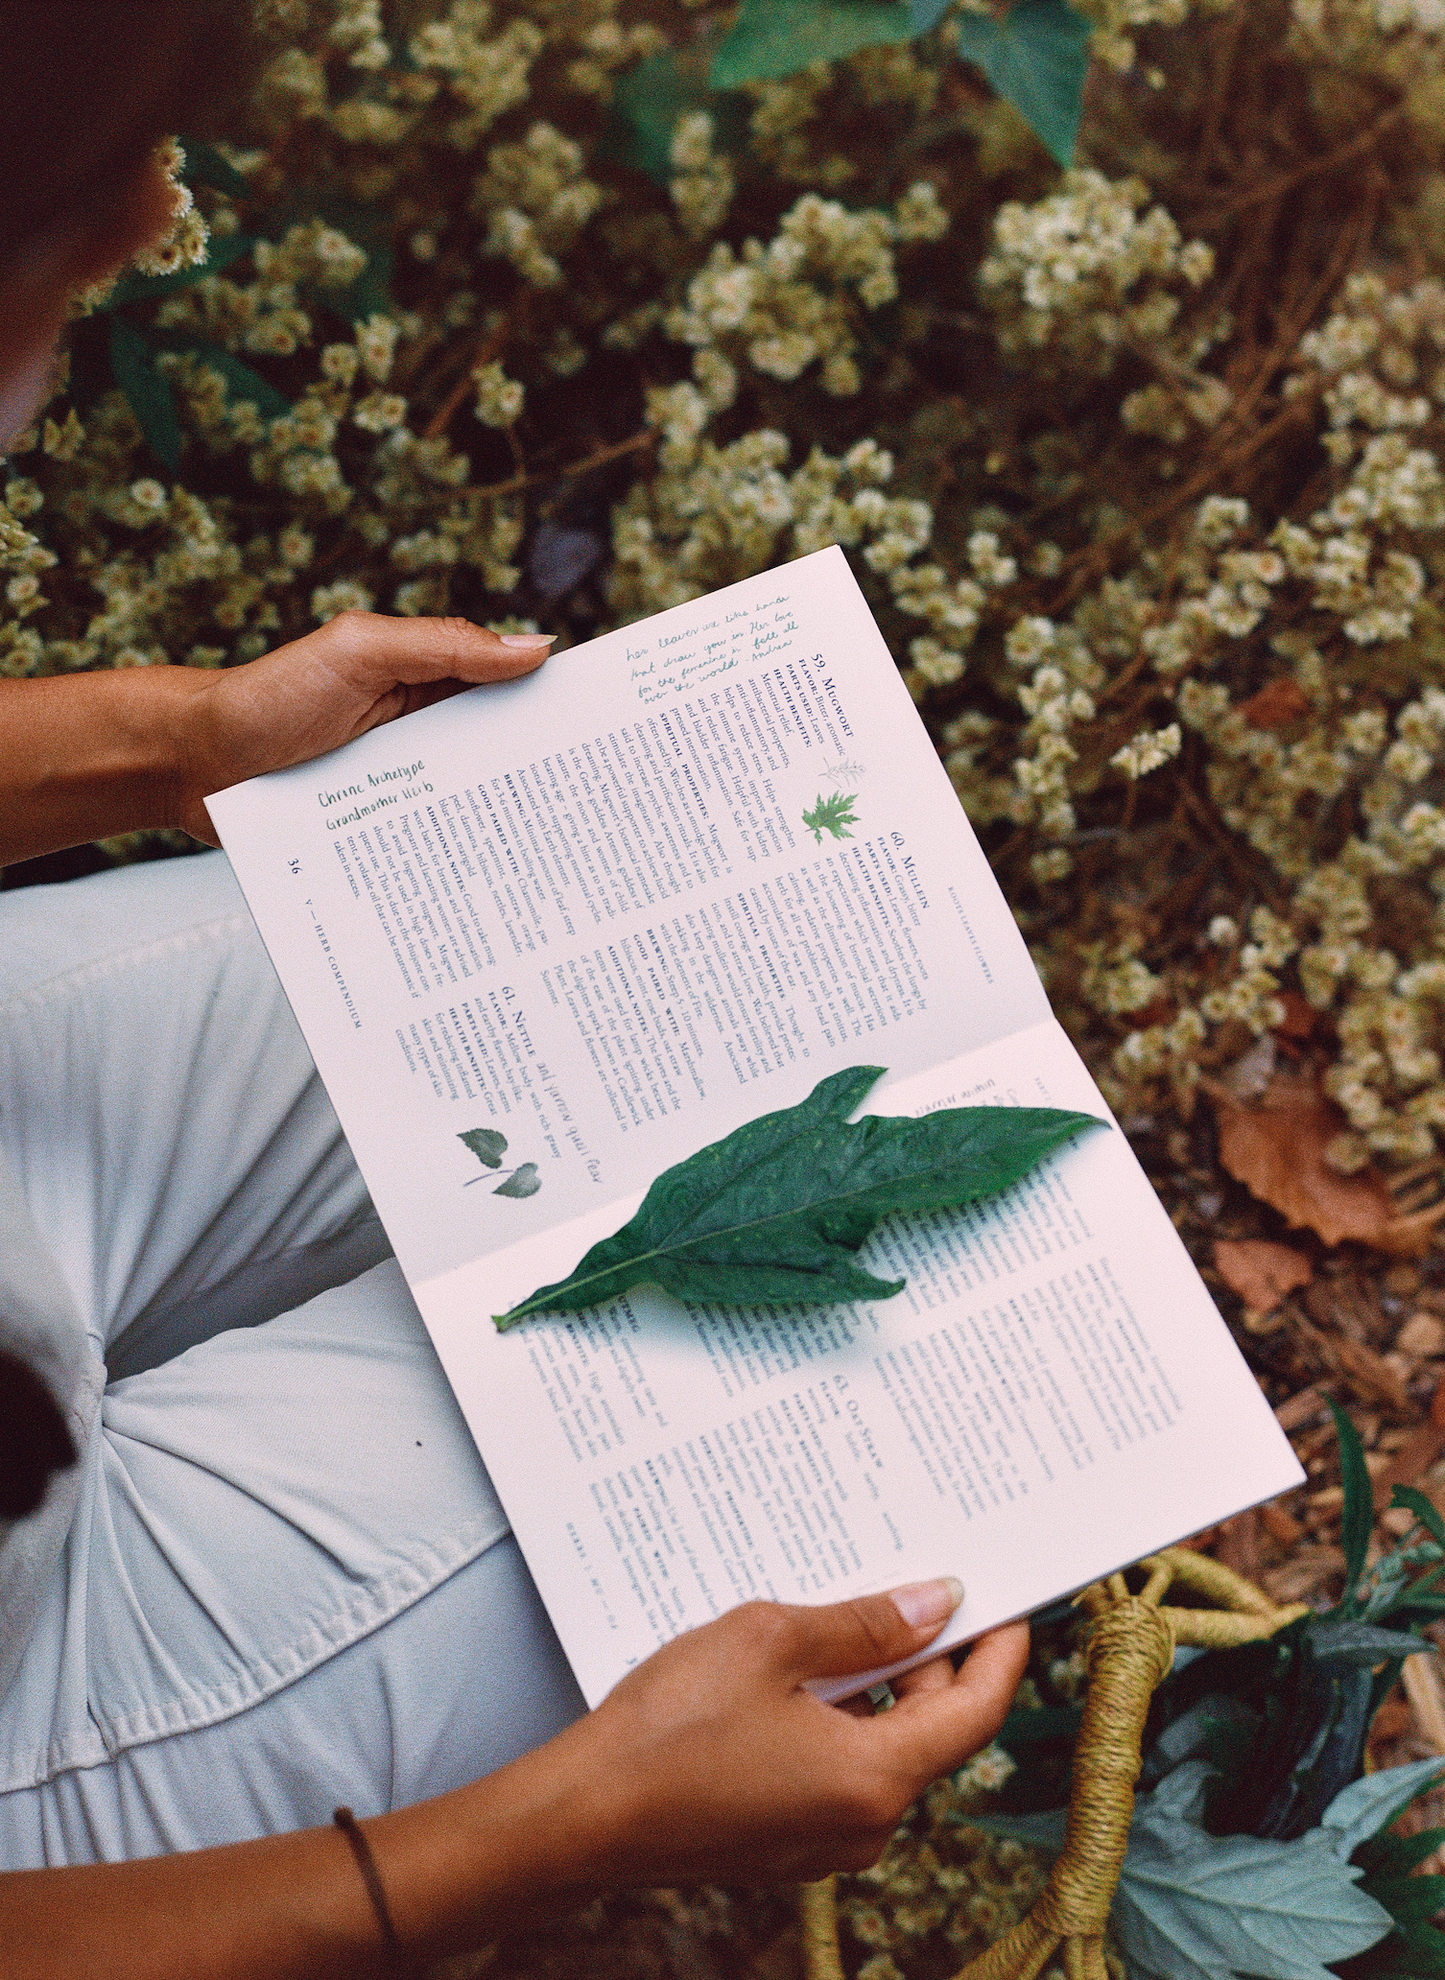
795, 301
1086, 271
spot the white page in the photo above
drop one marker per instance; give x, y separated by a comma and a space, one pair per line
1051, 1397
583, 911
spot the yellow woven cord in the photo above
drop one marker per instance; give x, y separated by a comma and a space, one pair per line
818, 1916
1131, 1647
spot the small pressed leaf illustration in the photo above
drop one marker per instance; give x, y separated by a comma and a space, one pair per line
774, 1213
832, 814
523, 1181
487, 1145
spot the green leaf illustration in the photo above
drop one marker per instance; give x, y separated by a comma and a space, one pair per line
832, 814
774, 1213
487, 1145
1036, 57
148, 393
523, 1181
778, 37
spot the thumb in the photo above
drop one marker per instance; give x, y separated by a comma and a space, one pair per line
370, 650
845, 1638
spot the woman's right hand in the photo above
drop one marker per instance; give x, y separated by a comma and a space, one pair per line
714, 1762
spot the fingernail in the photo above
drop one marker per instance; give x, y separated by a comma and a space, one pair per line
924, 1604
527, 639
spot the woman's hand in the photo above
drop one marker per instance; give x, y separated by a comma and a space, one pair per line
714, 1762
87, 755
350, 675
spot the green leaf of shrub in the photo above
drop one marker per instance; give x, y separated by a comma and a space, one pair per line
205, 166
1192, 1906
1367, 1805
486, 1144
1414, 1501
774, 1213
147, 392
778, 37
221, 251
1036, 57
1357, 1521
648, 102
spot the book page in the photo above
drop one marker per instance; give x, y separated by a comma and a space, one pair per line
611, 911
549, 938
1051, 1397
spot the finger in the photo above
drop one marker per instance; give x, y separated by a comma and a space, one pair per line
370, 650
936, 1675
844, 1638
936, 1730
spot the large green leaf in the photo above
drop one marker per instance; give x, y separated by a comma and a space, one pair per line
148, 393
773, 1214
779, 37
1192, 1906
1036, 56
1359, 1811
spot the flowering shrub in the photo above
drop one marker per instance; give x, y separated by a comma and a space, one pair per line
497, 307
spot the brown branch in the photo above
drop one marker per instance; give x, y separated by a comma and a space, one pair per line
1274, 188
594, 460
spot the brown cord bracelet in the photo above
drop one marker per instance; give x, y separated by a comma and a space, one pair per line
398, 1961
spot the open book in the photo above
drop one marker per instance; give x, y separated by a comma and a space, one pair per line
547, 939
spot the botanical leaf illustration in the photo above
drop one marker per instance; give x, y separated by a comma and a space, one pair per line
523, 1181
773, 1214
832, 814
487, 1145
1036, 56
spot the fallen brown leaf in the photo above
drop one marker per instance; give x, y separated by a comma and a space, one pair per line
1260, 1271
1277, 1150
1409, 1463
1281, 1525
1371, 1376
1277, 704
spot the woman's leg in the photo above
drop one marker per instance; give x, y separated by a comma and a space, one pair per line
261, 1501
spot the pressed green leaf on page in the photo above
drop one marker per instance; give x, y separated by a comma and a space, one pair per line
774, 1213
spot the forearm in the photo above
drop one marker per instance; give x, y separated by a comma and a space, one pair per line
457, 1871
84, 756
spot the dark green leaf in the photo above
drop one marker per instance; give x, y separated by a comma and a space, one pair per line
205, 166
924, 15
774, 1214
370, 294
523, 1181
779, 37
648, 102
1409, 1900
148, 393
1340, 1646
241, 381
1397, 1856
486, 1144
1358, 1519
1422, 1954
1030, 1726
221, 251
1036, 56
1414, 1501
